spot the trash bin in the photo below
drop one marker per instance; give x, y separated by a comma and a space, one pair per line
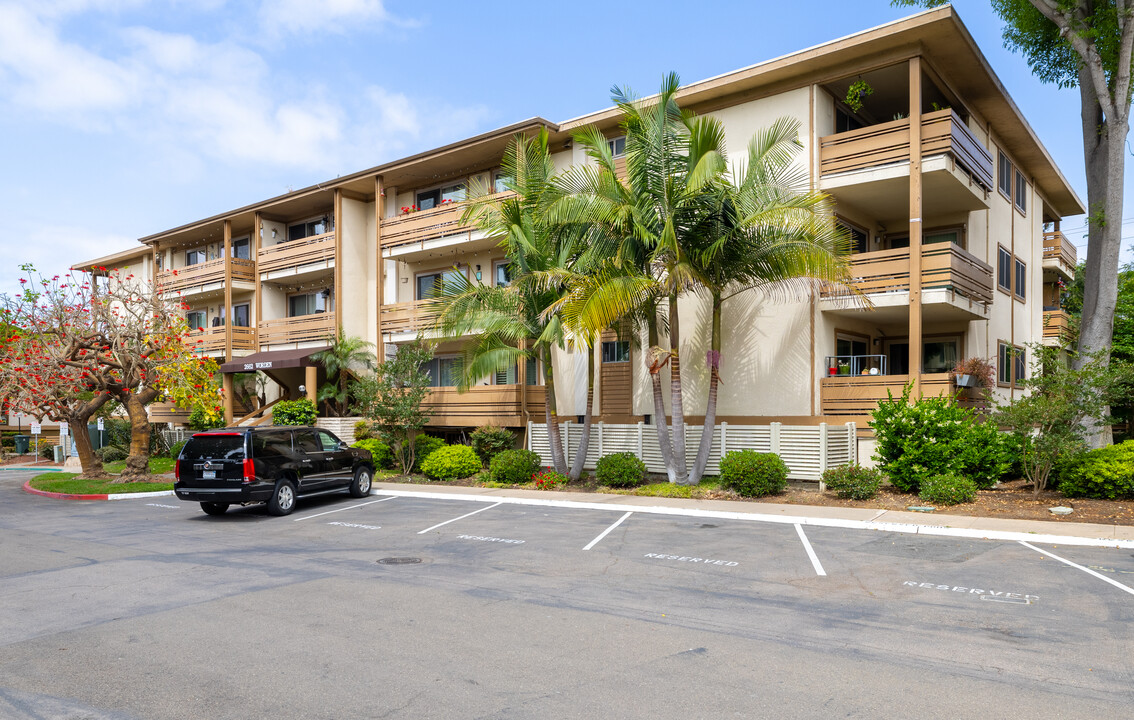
95, 435
58, 450
22, 442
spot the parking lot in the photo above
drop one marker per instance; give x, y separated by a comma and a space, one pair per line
421, 604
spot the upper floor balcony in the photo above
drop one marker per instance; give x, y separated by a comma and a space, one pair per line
406, 318
207, 276
955, 284
870, 167
413, 234
501, 405
211, 340
296, 330
1056, 328
314, 253
1059, 254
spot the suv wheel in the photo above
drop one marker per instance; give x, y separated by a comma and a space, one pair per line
214, 508
360, 486
282, 501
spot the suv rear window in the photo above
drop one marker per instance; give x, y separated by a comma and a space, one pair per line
214, 447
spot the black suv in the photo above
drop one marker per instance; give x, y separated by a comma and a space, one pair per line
276, 465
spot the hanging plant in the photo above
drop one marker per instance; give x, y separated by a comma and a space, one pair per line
856, 92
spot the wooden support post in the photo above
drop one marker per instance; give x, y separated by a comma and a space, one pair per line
915, 342
379, 213
228, 290
257, 241
310, 377
226, 387
338, 291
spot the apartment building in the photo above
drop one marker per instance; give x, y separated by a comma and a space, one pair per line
953, 203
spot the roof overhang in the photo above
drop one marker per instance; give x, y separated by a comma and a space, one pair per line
116, 260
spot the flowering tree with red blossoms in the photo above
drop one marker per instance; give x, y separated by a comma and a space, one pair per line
121, 340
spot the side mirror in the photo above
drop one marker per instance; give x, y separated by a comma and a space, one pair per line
343, 445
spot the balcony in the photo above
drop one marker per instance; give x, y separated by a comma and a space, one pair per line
956, 285
407, 317
206, 276
287, 258
869, 167
1059, 254
160, 412
438, 227
210, 341
294, 330
501, 405
1056, 328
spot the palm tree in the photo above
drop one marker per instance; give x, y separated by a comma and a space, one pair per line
510, 324
346, 354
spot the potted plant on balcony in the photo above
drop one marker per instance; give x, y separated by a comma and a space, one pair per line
856, 92
973, 372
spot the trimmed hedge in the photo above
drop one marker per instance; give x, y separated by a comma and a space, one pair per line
947, 489
380, 452
294, 412
622, 469
488, 442
423, 447
853, 481
451, 462
110, 454
753, 474
514, 467
1106, 473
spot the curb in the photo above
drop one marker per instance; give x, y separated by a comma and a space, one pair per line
108, 496
24, 468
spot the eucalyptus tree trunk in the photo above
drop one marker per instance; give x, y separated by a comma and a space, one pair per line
654, 368
585, 439
680, 472
554, 440
714, 362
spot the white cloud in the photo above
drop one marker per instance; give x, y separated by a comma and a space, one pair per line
299, 17
52, 249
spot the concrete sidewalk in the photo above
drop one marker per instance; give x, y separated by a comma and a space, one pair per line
1054, 531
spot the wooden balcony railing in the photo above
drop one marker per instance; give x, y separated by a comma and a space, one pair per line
416, 227
212, 339
1056, 247
406, 317
858, 395
204, 273
317, 248
942, 132
485, 405
305, 328
1057, 325
166, 412
943, 265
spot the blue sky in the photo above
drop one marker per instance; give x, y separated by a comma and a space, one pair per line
122, 118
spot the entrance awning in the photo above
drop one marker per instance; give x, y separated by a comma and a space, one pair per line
272, 360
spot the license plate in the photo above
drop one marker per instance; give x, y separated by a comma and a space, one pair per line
208, 474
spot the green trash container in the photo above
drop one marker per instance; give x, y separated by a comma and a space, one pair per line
22, 442
95, 435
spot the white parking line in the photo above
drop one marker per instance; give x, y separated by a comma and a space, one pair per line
810, 551
351, 507
604, 533
1089, 571
474, 512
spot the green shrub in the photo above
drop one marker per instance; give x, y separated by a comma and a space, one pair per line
200, 420
294, 412
363, 430
110, 453
986, 454
753, 474
514, 466
1106, 473
488, 442
853, 481
451, 462
622, 469
380, 452
947, 489
46, 450
423, 447
175, 449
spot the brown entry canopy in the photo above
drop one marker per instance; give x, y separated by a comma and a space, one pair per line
272, 360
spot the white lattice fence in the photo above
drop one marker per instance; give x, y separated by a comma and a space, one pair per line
807, 450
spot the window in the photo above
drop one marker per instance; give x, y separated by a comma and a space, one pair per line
616, 351
271, 444
510, 376
1011, 366
617, 145
940, 355
500, 182
503, 274
196, 319
306, 441
241, 249
427, 199
845, 122
939, 236
533, 371
442, 371
308, 304
1021, 279
240, 315
1004, 269
309, 228
429, 284
859, 238
195, 257
1021, 192
1004, 176
329, 443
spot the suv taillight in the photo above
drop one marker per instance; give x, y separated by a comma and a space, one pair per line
249, 470
176, 469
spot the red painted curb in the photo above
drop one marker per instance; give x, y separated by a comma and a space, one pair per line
62, 496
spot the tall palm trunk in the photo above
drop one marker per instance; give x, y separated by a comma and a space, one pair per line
714, 362
558, 460
680, 471
585, 440
654, 368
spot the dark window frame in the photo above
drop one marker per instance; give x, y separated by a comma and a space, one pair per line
1004, 175
1004, 269
1019, 279
615, 351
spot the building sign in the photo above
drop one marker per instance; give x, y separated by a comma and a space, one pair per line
258, 366
35, 429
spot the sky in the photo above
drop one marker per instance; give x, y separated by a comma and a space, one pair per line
123, 118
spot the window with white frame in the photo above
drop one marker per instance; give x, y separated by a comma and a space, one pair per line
617, 145
500, 182
503, 274
616, 351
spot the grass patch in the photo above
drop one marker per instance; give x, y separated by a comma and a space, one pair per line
71, 484
704, 489
158, 466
